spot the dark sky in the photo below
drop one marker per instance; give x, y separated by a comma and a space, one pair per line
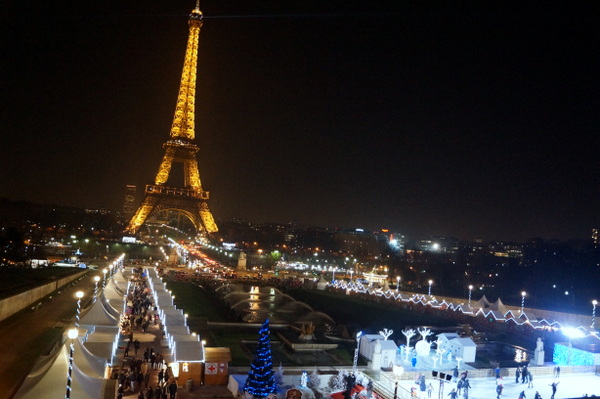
468, 119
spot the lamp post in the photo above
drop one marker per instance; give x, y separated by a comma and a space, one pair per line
96, 280
72, 334
470, 290
523, 301
104, 271
397, 370
79, 295
430, 282
398, 284
594, 303
355, 363
351, 273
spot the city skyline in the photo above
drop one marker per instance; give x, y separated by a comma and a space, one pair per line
424, 118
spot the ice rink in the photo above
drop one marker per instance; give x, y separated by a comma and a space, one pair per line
569, 386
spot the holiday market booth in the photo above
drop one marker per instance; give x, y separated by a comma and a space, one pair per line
216, 366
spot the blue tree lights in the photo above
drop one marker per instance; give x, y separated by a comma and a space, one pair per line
261, 382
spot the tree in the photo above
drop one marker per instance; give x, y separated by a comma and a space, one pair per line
261, 382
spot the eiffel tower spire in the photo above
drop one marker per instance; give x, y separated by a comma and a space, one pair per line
190, 199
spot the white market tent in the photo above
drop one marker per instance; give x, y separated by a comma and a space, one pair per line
98, 315
45, 378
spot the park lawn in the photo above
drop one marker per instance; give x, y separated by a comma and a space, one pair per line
372, 316
195, 301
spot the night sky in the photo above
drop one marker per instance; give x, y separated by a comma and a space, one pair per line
476, 119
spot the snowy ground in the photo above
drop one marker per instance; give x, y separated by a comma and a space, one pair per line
570, 386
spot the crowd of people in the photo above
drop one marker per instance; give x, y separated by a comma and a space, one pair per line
135, 373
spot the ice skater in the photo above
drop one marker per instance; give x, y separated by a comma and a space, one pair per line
553, 385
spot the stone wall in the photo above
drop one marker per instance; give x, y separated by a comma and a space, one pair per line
11, 305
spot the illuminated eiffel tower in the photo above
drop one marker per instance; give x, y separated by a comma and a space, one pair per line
190, 200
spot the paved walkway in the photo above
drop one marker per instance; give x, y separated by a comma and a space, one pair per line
569, 386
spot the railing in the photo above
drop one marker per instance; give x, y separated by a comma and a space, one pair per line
173, 191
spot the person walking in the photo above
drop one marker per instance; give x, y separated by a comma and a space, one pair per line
557, 372
522, 395
453, 394
517, 375
553, 385
524, 374
173, 390
429, 390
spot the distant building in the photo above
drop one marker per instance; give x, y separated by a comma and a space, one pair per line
129, 207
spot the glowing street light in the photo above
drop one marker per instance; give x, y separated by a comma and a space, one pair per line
594, 303
470, 290
398, 284
104, 271
79, 295
355, 363
96, 280
523, 301
72, 334
430, 282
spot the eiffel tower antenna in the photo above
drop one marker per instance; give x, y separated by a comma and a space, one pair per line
191, 199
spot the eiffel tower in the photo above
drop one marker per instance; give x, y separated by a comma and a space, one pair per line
190, 200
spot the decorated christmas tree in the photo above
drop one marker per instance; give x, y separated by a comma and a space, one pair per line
260, 382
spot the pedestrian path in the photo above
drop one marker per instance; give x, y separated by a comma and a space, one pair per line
569, 386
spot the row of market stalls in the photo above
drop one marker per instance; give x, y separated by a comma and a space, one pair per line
490, 312
188, 356
93, 350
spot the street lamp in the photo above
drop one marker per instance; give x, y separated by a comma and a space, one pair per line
594, 303
351, 273
470, 289
79, 295
398, 284
104, 271
430, 282
355, 363
96, 280
398, 371
72, 334
523, 301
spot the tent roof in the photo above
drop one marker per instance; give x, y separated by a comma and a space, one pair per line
42, 382
465, 341
217, 354
483, 302
498, 305
97, 315
89, 363
188, 351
